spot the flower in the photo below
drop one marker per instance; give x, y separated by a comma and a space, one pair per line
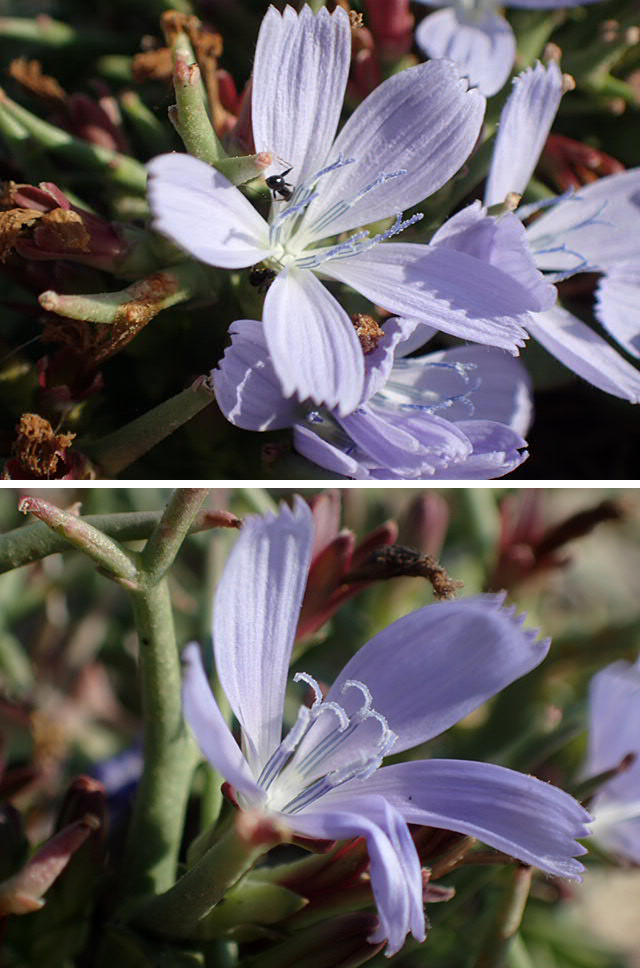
614, 734
409, 683
474, 35
400, 145
456, 414
592, 230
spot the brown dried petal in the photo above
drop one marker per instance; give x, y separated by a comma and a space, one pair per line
37, 448
394, 561
152, 65
11, 224
66, 230
29, 74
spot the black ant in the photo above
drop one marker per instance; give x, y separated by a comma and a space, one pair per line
279, 186
261, 278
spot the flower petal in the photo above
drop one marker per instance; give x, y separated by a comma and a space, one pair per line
201, 210
312, 342
325, 454
497, 450
299, 79
434, 666
518, 814
246, 386
407, 444
214, 737
618, 305
394, 866
502, 391
447, 289
586, 353
422, 120
255, 616
614, 732
614, 718
599, 224
501, 241
378, 363
525, 122
484, 49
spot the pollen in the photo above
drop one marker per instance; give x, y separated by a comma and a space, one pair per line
368, 330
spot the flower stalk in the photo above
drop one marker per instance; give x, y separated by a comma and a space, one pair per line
155, 830
121, 170
173, 527
124, 446
136, 305
23, 546
178, 912
508, 922
103, 550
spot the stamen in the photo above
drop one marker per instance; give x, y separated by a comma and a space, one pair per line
526, 210
342, 206
414, 399
330, 782
582, 266
276, 226
287, 747
387, 735
302, 197
333, 707
368, 699
310, 182
356, 244
310, 681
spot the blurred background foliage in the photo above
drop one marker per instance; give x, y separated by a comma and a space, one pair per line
69, 700
101, 78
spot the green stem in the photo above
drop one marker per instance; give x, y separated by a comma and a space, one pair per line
173, 527
102, 549
155, 136
124, 446
177, 912
155, 832
497, 947
22, 546
194, 124
119, 169
136, 305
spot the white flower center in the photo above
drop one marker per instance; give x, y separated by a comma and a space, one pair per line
329, 744
294, 230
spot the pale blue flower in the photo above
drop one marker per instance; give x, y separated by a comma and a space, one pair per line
614, 733
592, 230
476, 37
413, 680
400, 145
460, 413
